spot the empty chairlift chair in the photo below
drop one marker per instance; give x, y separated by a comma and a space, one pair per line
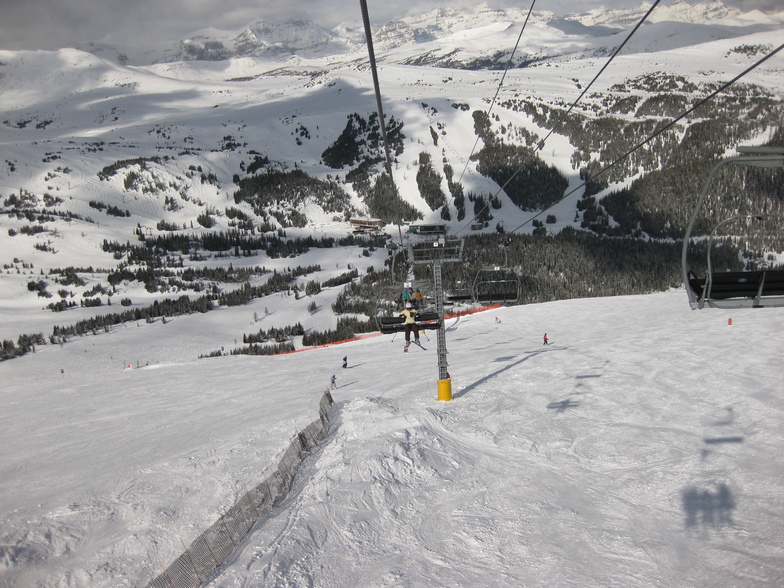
735, 289
499, 283
496, 284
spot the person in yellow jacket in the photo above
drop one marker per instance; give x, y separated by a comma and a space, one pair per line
409, 314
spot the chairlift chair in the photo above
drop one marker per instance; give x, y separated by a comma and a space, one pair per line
460, 292
744, 289
496, 284
389, 305
395, 324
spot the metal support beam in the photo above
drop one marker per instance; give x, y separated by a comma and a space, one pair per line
443, 373
437, 253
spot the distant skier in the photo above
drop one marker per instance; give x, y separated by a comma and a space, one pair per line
546, 340
497, 320
345, 361
409, 314
333, 382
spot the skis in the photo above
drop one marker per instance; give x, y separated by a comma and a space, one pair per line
417, 343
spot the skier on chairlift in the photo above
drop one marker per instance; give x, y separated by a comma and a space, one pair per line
418, 298
409, 314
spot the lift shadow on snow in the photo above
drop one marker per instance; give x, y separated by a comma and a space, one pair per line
562, 405
711, 505
720, 440
491, 375
708, 507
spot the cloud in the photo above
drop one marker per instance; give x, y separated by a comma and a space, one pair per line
52, 24
763, 5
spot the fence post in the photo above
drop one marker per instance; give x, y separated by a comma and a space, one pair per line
226, 527
165, 573
253, 506
207, 543
190, 559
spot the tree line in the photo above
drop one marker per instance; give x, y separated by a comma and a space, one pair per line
278, 282
281, 193
153, 249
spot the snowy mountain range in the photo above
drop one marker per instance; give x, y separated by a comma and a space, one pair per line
279, 40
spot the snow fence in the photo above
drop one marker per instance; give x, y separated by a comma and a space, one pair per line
215, 544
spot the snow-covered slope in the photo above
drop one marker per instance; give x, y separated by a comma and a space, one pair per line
706, 12
642, 446
72, 110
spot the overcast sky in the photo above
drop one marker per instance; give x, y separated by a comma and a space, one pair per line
52, 24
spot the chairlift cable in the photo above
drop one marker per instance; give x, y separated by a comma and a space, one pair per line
601, 71
540, 145
381, 120
609, 166
500, 84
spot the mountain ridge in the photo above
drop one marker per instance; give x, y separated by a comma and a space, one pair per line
280, 39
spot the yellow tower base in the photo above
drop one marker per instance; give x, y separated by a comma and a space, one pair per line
445, 389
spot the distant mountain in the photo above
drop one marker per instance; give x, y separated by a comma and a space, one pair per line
279, 40
262, 39
708, 11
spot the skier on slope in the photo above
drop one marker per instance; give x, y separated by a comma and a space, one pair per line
546, 340
409, 314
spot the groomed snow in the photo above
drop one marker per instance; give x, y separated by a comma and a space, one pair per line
641, 447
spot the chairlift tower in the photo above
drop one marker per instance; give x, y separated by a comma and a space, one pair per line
437, 253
